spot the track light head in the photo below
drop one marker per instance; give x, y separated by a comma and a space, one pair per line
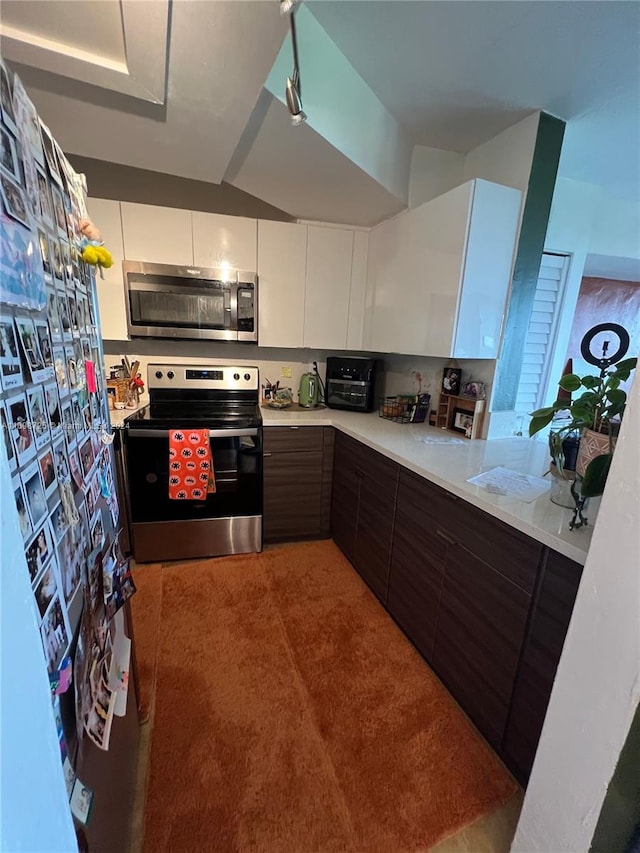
294, 103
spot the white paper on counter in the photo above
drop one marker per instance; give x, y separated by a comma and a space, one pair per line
504, 481
119, 674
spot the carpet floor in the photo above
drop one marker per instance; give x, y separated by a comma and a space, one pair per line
292, 715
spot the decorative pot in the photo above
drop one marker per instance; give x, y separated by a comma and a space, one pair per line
592, 444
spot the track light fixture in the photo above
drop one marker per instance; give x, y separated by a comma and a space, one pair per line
287, 6
293, 91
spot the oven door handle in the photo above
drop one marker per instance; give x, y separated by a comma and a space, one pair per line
213, 433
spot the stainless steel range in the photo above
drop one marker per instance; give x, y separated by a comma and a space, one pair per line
225, 400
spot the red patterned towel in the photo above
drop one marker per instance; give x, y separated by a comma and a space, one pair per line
191, 475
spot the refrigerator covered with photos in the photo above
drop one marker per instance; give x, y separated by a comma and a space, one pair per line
57, 439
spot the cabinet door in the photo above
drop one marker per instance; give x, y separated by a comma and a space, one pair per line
437, 234
292, 495
543, 647
157, 235
328, 285
480, 631
358, 291
376, 508
491, 245
111, 296
388, 272
225, 241
345, 495
282, 258
417, 565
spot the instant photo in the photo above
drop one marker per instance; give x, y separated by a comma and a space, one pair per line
20, 427
38, 415
10, 365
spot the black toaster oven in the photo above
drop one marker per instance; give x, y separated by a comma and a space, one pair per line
352, 383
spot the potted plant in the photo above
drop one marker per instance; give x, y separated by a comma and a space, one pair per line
593, 417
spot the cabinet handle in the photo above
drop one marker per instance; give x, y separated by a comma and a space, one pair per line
267, 453
294, 427
444, 537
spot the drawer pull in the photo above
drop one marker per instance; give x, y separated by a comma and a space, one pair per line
444, 537
294, 427
267, 453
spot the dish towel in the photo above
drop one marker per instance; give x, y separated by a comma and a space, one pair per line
191, 475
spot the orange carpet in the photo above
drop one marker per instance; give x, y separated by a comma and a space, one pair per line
292, 715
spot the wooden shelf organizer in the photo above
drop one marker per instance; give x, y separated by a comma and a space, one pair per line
449, 402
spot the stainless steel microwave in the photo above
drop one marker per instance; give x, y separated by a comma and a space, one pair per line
190, 302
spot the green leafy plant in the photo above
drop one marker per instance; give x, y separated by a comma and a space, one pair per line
599, 407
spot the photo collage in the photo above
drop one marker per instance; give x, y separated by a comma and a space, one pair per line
53, 406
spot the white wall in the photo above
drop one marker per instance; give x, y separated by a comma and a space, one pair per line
342, 108
34, 813
507, 158
433, 172
597, 687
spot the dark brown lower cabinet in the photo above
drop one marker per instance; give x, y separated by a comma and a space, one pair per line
481, 626
345, 495
551, 613
362, 512
297, 482
486, 606
417, 564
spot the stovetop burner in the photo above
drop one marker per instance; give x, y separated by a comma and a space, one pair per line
206, 396
169, 415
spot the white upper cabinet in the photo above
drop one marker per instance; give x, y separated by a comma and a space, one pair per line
439, 274
491, 245
157, 235
328, 287
113, 320
282, 259
221, 241
357, 295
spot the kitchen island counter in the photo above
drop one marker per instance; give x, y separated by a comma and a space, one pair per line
448, 460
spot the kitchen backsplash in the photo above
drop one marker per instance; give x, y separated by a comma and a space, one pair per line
400, 370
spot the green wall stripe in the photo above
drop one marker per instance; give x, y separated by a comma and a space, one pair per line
535, 219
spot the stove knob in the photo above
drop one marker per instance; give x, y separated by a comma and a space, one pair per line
236, 376
170, 374
158, 374
247, 376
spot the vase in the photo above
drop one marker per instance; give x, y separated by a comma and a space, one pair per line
561, 487
592, 444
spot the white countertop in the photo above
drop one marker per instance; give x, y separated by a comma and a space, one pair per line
449, 466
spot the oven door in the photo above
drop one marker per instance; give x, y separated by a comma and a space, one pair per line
166, 306
347, 394
237, 466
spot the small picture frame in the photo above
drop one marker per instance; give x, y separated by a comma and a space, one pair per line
474, 389
9, 155
6, 99
463, 422
46, 205
13, 199
451, 380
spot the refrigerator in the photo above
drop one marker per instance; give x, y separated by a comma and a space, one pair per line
58, 442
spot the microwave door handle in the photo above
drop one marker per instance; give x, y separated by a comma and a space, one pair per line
234, 307
213, 433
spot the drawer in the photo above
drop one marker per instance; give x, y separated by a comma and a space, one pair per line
513, 554
291, 439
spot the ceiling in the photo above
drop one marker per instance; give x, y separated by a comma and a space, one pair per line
177, 87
